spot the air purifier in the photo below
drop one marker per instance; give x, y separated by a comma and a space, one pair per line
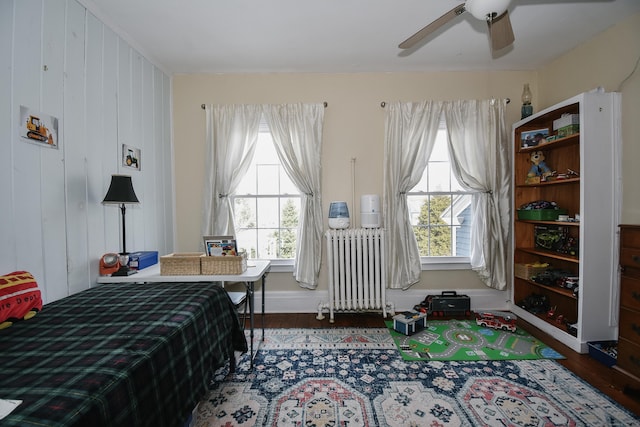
370, 216
339, 215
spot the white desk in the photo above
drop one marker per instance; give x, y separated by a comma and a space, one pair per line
256, 270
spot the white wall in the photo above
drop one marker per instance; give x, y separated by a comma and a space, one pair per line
64, 62
353, 128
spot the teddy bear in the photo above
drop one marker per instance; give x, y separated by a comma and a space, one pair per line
539, 170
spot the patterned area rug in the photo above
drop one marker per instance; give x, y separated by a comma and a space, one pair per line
356, 377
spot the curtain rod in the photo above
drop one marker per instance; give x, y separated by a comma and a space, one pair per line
384, 104
325, 103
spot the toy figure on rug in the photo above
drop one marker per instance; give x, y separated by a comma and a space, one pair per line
539, 170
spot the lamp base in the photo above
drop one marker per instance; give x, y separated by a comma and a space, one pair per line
124, 271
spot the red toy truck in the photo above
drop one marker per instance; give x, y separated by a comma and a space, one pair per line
497, 320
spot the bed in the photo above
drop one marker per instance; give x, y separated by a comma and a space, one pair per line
118, 355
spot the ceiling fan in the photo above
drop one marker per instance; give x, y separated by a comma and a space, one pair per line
493, 11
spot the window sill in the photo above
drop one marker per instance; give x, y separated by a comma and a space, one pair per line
279, 265
444, 263
286, 266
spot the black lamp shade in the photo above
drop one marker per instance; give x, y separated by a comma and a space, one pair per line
120, 191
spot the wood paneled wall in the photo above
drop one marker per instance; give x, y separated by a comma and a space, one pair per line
59, 59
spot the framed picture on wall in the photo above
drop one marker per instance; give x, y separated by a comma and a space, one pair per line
131, 157
38, 128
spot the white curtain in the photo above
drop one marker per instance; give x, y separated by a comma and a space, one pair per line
297, 134
410, 133
479, 145
231, 135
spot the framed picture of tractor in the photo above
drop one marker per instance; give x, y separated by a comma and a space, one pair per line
38, 128
130, 157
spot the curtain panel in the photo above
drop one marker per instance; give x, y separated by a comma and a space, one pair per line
297, 134
479, 149
410, 134
231, 136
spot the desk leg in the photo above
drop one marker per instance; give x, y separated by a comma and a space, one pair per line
264, 280
251, 302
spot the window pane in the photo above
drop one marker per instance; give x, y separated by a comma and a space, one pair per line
415, 205
440, 151
439, 174
247, 240
245, 212
267, 206
268, 179
265, 151
287, 234
290, 212
432, 232
267, 244
441, 222
268, 212
462, 216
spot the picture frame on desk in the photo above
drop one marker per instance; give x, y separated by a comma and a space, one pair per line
220, 245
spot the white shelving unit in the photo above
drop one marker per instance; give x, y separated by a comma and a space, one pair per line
595, 153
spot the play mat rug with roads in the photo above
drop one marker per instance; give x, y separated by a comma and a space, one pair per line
464, 340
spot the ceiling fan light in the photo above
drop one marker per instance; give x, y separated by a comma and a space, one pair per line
481, 9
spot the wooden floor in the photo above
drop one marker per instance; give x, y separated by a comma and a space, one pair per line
592, 371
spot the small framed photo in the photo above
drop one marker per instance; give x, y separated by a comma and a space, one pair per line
220, 245
533, 138
38, 128
130, 157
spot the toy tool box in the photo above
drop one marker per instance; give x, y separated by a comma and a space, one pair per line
448, 303
409, 321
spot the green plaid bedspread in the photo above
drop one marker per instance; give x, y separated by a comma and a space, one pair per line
118, 355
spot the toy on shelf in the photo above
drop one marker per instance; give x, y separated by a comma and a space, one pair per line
539, 170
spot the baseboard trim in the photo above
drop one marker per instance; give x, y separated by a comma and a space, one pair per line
305, 301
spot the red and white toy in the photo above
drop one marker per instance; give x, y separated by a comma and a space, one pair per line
497, 320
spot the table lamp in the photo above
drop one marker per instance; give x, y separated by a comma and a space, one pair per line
120, 193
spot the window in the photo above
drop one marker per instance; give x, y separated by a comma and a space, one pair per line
267, 205
441, 210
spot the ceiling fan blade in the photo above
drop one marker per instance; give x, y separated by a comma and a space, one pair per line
501, 32
411, 41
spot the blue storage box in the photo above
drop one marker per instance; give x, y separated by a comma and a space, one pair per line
144, 259
409, 321
605, 352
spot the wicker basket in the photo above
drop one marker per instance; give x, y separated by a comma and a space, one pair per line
181, 264
228, 264
527, 271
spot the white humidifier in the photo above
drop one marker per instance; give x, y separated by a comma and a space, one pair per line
370, 211
338, 215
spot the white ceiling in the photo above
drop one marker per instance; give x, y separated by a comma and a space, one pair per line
345, 36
